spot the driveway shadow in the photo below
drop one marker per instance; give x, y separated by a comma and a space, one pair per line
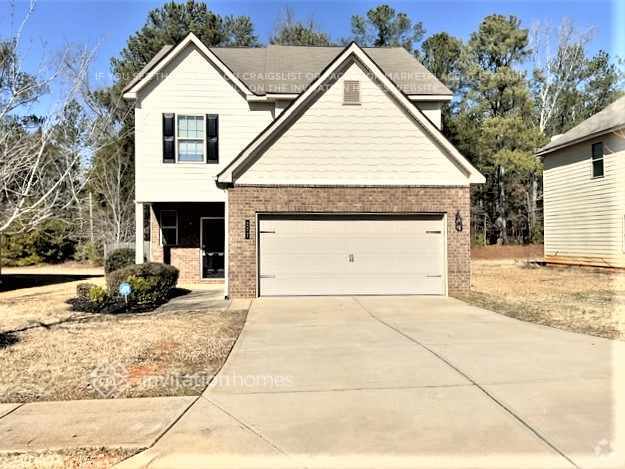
10, 282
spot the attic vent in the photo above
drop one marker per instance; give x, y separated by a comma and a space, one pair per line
351, 92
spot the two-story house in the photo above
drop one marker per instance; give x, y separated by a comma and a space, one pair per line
300, 171
584, 191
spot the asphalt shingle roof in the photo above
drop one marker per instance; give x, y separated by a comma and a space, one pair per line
610, 118
290, 69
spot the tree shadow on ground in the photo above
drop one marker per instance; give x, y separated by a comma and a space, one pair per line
7, 339
10, 282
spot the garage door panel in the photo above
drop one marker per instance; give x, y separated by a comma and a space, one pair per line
333, 256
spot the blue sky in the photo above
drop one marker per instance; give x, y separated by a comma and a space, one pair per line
109, 23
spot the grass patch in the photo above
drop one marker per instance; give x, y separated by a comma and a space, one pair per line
100, 458
574, 299
52, 353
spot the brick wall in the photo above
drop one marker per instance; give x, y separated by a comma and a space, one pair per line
245, 201
185, 256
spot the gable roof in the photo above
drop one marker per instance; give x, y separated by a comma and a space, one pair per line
353, 50
277, 69
608, 120
153, 67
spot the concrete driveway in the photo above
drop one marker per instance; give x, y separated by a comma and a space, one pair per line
401, 382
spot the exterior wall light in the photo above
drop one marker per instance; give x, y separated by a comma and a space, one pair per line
459, 224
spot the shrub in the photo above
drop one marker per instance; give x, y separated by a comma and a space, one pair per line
151, 283
88, 252
118, 259
83, 289
98, 294
53, 241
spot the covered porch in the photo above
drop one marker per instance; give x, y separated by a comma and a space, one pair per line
190, 236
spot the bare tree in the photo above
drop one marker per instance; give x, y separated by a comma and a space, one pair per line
42, 159
558, 55
110, 177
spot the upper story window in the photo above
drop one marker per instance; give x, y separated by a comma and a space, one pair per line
191, 141
597, 160
351, 92
189, 138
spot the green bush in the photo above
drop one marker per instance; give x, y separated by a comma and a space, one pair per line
98, 294
151, 283
119, 258
53, 241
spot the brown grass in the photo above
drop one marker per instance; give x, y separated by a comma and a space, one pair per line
68, 459
531, 251
50, 353
575, 299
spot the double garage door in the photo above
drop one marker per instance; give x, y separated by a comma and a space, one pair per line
351, 255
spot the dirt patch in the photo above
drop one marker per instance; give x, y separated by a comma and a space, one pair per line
68, 459
531, 251
51, 353
574, 299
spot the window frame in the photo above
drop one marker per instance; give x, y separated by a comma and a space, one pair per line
162, 226
178, 139
594, 160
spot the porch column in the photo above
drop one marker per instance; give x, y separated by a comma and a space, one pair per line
226, 247
138, 233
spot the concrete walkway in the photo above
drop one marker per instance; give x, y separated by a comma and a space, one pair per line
402, 382
113, 423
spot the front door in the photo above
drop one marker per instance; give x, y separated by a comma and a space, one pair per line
212, 236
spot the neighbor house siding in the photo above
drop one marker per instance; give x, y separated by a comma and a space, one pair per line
584, 215
190, 84
246, 202
373, 143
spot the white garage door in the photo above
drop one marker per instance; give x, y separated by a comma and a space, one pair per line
351, 256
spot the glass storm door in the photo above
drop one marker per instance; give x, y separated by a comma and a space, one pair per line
212, 247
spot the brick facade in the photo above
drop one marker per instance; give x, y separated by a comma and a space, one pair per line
185, 255
245, 201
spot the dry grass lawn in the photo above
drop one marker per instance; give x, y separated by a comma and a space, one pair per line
576, 299
70, 459
51, 353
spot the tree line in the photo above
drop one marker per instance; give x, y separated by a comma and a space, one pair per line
515, 86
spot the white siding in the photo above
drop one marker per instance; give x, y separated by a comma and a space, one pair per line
374, 143
432, 110
191, 85
584, 216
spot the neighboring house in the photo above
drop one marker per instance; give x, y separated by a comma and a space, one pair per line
584, 191
300, 171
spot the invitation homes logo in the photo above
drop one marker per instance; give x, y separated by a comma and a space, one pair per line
112, 380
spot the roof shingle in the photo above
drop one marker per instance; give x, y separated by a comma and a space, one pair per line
290, 69
610, 118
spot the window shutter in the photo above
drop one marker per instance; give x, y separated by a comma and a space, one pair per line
169, 138
212, 138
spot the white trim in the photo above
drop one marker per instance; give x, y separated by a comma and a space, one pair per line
160, 226
177, 129
201, 249
430, 97
279, 123
446, 256
190, 39
390, 215
226, 248
139, 233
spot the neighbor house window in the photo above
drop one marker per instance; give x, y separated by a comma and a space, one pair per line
191, 139
351, 92
597, 160
169, 227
